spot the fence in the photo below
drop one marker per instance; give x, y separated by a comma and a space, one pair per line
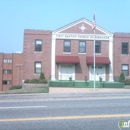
85, 78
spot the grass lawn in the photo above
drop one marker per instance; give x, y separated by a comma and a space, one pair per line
27, 90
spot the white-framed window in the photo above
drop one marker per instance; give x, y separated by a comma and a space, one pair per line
67, 46
125, 69
82, 46
6, 82
37, 67
7, 60
38, 45
7, 71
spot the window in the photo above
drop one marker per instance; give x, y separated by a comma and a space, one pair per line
7, 71
6, 82
82, 47
67, 46
7, 60
38, 45
125, 69
125, 48
97, 47
38, 67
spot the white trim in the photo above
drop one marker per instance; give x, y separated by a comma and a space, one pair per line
66, 52
60, 74
53, 57
38, 52
91, 76
124, 54
98, 54
82, 36
81, 53
89, 67
111, 59
36, 74
80, 21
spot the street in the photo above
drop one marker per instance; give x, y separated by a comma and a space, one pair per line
90, 113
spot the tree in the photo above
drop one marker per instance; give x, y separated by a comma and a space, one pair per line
42, 76
122, 78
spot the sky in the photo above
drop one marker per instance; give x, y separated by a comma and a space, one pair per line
17, 15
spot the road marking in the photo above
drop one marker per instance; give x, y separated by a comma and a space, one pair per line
65, 118
22, 107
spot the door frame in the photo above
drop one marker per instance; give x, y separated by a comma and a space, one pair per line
60, 72
90, 72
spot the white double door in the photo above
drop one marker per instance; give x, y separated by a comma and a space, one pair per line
99, 72
66, 71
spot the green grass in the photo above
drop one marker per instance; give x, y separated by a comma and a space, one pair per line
27, 90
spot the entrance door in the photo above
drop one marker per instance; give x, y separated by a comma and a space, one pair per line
66, 71
99, 72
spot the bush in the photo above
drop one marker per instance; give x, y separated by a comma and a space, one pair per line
42, 76
38, 81
44, 81
122, 78
34, 81
15, 87
127, 82
27, 81
41, 80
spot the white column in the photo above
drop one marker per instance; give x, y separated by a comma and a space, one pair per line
111, 59
53, 57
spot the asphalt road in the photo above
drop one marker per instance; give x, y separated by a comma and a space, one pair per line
100, 113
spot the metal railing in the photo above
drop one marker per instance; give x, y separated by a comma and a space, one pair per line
62, 77
85, 78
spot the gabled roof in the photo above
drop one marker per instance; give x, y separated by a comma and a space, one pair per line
80, 21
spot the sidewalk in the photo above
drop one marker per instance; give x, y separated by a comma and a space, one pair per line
58, 90
67, 94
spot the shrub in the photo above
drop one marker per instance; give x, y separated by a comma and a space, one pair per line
34, 81
44, 81
127, 82
42, 76
15, 87
27, 81
38, 81
41, 80
122, 78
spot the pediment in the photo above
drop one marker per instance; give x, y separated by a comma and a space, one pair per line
82, 26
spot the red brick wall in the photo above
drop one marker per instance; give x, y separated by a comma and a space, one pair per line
7, 66
119, 58
15, 77
1, 71
30, 56
17, 69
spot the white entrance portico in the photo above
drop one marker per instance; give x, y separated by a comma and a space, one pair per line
104, 36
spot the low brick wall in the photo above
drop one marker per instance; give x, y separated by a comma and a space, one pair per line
28, 85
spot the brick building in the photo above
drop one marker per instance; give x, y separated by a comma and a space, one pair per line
11, 70
72, 52
67, 53
121, 54
36, 54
